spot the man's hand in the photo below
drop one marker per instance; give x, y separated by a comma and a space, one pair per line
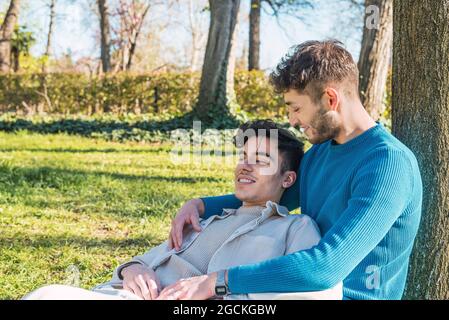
189, 214
195, 288
141, 281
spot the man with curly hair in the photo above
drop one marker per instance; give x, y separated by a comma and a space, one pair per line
359, 183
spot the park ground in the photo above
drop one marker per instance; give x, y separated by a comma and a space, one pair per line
73, 208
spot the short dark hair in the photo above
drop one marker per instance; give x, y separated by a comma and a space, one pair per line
314, 63
290, 147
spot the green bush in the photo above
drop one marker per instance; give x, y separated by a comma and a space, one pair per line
157, 94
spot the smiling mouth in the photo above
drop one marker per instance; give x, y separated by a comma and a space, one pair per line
304, 129
245, 181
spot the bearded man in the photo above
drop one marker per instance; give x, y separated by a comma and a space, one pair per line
358, 182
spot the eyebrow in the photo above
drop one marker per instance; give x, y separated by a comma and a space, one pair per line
260, 154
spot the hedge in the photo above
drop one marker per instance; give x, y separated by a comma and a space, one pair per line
123, 93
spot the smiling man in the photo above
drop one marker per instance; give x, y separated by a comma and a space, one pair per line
258, 230
359, 183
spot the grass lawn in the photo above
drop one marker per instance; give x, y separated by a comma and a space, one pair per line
73, 208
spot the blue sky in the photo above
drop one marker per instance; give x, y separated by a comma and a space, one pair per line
76, 29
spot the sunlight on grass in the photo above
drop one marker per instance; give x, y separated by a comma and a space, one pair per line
71, 201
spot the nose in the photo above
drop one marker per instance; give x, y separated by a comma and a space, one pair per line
246, 166
292, 120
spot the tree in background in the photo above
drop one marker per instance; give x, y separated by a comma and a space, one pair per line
195, 11
21, 43
214, 101
420, 118
105, 31
375, 54
131, 16
276, 9
254, 35
47, 54
6, 33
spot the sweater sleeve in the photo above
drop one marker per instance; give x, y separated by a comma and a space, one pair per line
215, 205
380, 191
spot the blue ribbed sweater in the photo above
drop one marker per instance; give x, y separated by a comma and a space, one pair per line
365, 196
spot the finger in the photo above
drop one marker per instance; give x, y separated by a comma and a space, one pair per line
167, 291
182, 295
178, 237
126, 287
196, 225
143, 287
172, 295
170, 241
152, 286
135, 289
163, 295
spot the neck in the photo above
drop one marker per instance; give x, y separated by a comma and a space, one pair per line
260, 203
356, 121
254, 204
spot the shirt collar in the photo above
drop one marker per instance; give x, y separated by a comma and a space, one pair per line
271, 208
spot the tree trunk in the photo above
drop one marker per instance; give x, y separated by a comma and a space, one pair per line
50, 34
6, 32
420, 116
230, 72
105, 35
135, 37
15, 59
254, 35
375, 55
213, 100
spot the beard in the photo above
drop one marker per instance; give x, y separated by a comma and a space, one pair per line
325, 125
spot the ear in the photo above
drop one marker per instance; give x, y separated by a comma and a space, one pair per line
289, 179
331, 99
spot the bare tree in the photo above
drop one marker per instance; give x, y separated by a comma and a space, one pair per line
47, 53
375, 54
214, 97
105, 30
254, 35
131, 15
198, 36
274, 8
420, 114
6, 32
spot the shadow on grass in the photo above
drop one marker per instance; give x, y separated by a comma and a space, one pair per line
118, 129
49, 241
89, 150
44, 176
87, 127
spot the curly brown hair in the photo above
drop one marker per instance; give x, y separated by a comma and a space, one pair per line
309, 66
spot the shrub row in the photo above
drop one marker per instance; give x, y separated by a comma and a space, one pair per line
167, 93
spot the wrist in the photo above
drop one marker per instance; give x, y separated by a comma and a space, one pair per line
199, 205
122, 272
221, 286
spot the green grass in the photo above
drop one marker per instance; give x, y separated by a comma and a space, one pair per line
70, 202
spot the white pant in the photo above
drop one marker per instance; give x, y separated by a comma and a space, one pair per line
63, 292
